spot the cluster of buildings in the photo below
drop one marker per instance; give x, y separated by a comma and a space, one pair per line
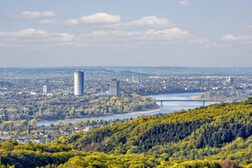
114, 89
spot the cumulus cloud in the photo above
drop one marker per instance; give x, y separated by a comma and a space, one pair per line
227, 39
150, 34
31, 37
171, 33
230, 37
47, 21
25, 33
150, 21
37, 14
184, 3
241, 38
96, 18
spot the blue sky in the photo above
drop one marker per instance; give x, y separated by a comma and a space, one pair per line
216, 33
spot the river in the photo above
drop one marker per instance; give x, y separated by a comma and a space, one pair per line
168, 107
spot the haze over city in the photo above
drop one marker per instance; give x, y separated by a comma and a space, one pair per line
45, 33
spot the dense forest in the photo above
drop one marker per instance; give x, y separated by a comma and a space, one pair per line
217, 136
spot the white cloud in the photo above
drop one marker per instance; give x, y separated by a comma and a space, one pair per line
30, 38
33, 37
72, 22
150, 21
114, 33
241, 38
230, 37
114, 21
47, 21
25, 33
37, 14
171, 33
150, 34
96, 18
184, 3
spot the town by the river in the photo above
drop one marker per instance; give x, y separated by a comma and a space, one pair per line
167, 107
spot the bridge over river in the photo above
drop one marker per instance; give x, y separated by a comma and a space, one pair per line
189, 100
179, 99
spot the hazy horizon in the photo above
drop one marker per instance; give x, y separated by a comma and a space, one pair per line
126, 66
177, 33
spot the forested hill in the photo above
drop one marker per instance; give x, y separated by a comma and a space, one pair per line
215, 136
200, 128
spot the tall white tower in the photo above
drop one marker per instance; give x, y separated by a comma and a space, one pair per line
46, 89
78, 83
114, 87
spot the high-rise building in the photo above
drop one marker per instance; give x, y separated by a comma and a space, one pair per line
114, 87
46, 89
78, 83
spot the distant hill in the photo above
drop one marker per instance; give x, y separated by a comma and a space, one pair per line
67, 72
216, 136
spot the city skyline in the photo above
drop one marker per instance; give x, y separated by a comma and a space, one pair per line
143, 33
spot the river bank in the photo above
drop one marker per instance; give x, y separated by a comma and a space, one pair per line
92, 118
168, 107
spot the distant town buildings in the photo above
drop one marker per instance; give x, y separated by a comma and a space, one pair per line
5, 116
78, 83
114, 87
230, 81
87, 129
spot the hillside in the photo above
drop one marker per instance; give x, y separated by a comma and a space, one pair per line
214, 136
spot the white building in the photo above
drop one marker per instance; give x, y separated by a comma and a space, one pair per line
45, 89
78, 83
114, 89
